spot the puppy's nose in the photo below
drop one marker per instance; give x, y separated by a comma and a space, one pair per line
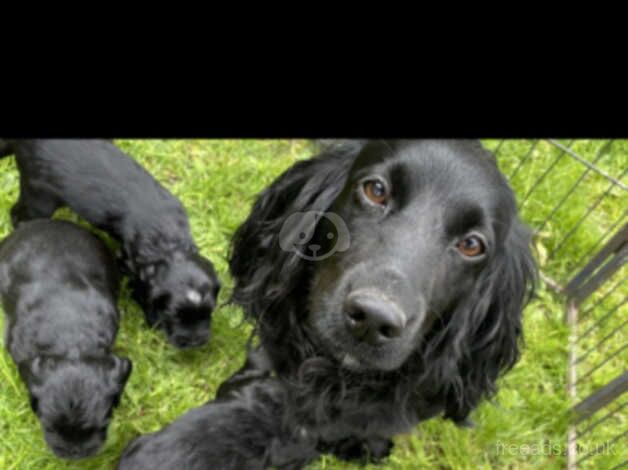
372, 318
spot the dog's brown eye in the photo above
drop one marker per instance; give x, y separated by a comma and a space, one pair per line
376, 192
471, 246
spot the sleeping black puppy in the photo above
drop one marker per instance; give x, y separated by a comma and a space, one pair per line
175, 285
59, 285
386, 281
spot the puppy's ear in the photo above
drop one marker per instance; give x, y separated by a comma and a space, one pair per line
263, 270
493, 328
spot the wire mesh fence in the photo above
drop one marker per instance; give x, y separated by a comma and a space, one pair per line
582, 247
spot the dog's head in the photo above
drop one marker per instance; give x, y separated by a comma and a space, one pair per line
74, 399
181, 294
437, 270
434, 232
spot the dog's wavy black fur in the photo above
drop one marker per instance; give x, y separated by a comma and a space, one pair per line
463, 314
59, 285
175, 285
242, 432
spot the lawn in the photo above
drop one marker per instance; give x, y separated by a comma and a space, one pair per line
217, 181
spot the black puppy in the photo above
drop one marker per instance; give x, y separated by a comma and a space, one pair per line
174, 284
59, 285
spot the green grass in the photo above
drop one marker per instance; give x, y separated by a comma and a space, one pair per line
217, 181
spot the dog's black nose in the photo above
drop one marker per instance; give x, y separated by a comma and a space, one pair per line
372, 318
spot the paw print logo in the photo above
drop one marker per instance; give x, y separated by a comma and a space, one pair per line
298, 230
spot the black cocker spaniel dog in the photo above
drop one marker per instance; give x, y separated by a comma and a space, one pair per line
176, 286
59, 285
386, 281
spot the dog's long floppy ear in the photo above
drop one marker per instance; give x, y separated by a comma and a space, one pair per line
263, 270
493, 327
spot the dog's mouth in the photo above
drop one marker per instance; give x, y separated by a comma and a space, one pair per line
361, 358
